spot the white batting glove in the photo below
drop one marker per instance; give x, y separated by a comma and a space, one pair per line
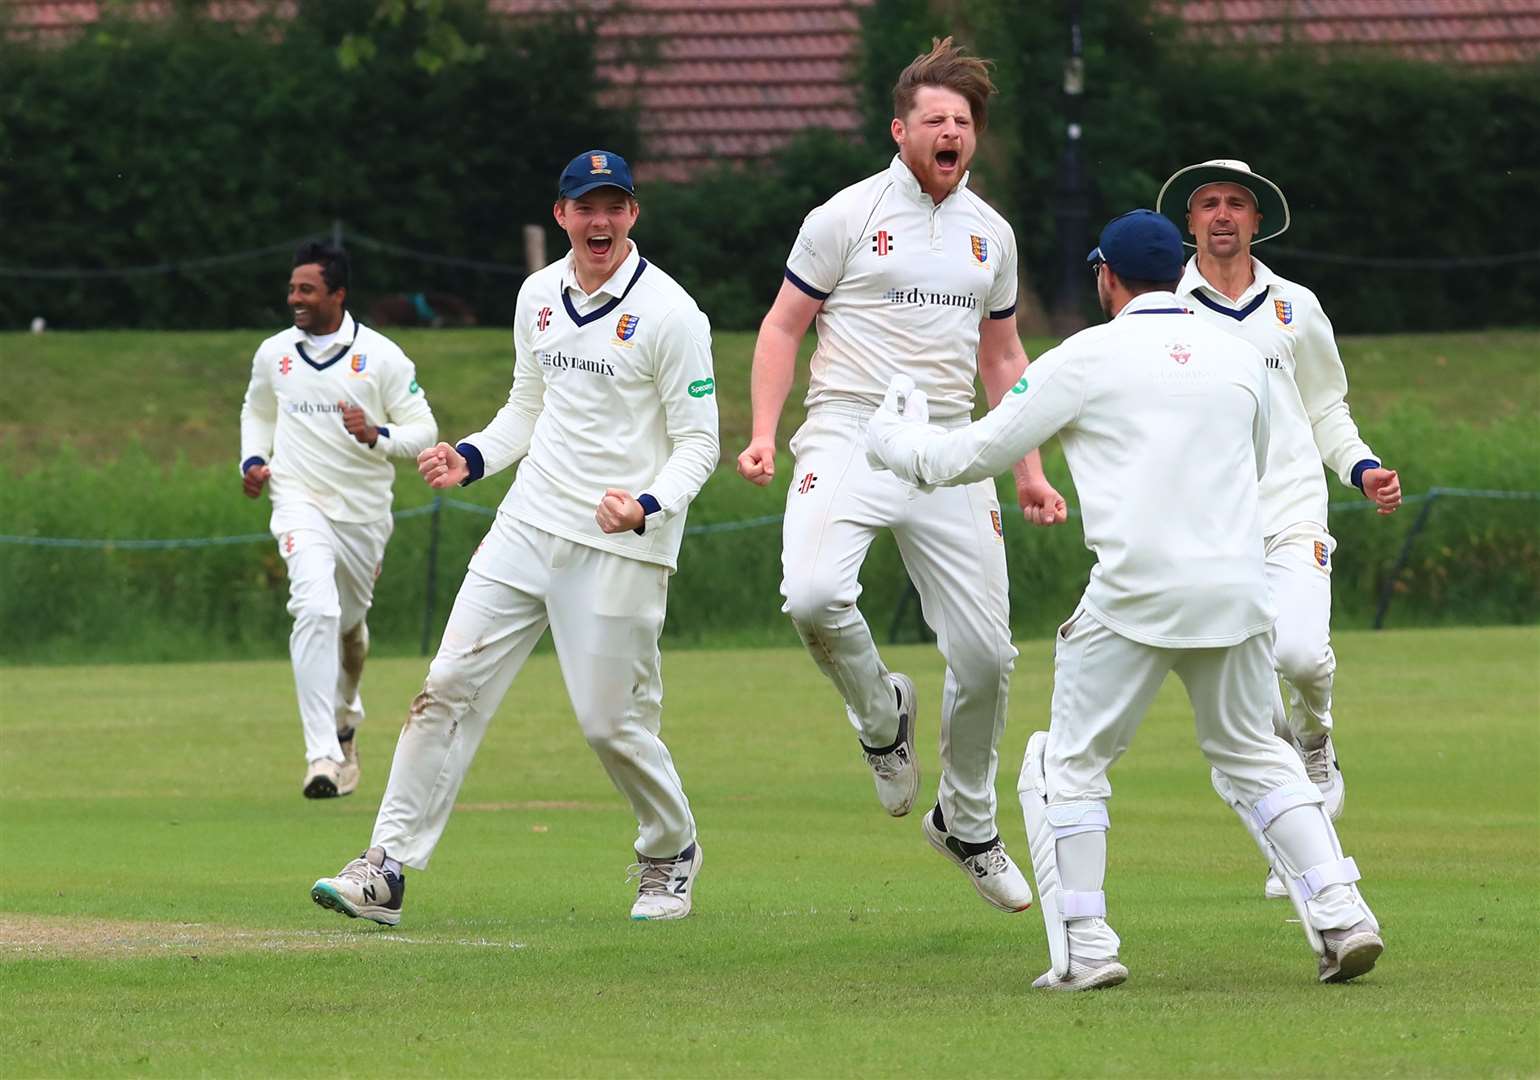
898, 429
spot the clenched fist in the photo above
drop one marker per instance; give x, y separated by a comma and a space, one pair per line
442, 466
358, 425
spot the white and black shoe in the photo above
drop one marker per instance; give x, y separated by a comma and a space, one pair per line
1084, 975
895, 769
364, 889
1350, 952
323, 779
993, 873
664, 887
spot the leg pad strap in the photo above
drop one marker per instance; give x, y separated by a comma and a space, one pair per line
1279, 801
1341, 872
1082, 905
1073, 818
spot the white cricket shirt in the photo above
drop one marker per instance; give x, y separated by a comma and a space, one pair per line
291, 420
904, 283
1311, 422
1164, 423
612, 389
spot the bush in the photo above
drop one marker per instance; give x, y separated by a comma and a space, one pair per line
263, 136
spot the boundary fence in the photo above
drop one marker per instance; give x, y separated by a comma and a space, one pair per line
907, 607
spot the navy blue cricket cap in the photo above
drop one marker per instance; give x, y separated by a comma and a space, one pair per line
594, 169
1141, 245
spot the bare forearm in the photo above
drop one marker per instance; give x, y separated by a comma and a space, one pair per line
775, 365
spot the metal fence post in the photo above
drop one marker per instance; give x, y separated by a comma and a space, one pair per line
1406, 553
432, 583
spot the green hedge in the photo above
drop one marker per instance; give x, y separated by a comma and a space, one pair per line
1477, 562
145, 142
140, 143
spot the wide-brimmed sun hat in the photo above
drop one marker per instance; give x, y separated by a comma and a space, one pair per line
1177, 192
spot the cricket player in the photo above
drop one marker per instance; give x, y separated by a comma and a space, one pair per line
613, 416
910, 271
1164, 421
1227, 208
330, 403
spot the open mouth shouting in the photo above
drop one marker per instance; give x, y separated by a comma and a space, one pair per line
947, 161
600, 245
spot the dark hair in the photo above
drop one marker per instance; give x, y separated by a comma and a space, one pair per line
946, 66
335, 270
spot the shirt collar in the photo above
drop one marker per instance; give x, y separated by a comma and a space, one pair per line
1261, 279
616, 285
1152, 301
909, 184
347, 332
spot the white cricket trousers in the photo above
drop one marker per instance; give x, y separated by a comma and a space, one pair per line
1299, 577
605, 612
332, 569
1103, 684
952, 546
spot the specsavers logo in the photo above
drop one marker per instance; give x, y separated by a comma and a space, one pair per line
702, 388
1021, 386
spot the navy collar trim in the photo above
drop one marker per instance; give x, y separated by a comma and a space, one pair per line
601, 312
1239, 315
299, 347
1163, 311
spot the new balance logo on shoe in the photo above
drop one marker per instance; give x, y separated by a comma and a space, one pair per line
680, 885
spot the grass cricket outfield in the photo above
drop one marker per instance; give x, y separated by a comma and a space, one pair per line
156, 854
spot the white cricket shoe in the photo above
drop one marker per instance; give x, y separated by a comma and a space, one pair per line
1350, 952
664, 886
323, 778
992, 872
895, 770
1274, 888
1321, 767
363, 889
1084, 975
348, 774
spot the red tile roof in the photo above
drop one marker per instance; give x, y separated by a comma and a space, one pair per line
1475, 32
737, 79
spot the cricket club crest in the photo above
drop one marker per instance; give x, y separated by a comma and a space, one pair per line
600, 163
1322, 556
1180, 352
285, 365
360, 361
1284, 311
626, 327
980, 248
543, 319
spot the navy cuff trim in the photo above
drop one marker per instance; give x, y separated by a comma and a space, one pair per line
249, 462
650, 506
804, 286
1006, 314
473, 461
382, 432
1359, 470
